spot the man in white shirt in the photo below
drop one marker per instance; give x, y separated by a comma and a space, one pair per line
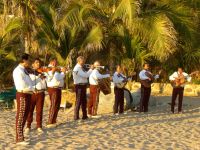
146, 79
119, 78
95, 90
25, 88
80, 77
178, 78
37, 99
55, 83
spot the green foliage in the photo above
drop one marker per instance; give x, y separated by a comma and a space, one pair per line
164, 33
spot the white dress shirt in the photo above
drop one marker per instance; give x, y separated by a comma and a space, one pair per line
95, 75
118, 77
79, 75
143, 76
176, 74
40, 85
55, 80
22, 80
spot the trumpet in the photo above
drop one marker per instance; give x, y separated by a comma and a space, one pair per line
89, 66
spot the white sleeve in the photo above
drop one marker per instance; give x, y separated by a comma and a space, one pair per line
172, 77
188, 78
19, 79
83, 74
59, 76
101, 76
116, 79
142, 75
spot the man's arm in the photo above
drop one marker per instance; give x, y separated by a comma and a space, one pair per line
143, 76
188, 77
172, 77
83, 74
116, 79
101, 76
20, 82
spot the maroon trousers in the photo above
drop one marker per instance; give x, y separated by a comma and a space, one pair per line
55, 99
37, 99
94, 100
81, 101
23, 103
177, 92
144, 100
119, 100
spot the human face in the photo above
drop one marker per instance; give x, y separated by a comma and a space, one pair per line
180, 70
146, 66
36, 64
119, 70
82, 62
53, 63
96, 64
26, 63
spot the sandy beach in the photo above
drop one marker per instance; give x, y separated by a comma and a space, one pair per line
156, 130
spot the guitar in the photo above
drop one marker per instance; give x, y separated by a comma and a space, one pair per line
147, 83
181, 79
123, 84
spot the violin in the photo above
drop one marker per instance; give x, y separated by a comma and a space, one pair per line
47, 69
35, 72
55, 69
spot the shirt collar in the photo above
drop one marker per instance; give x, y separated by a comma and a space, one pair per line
20, 66
79, 65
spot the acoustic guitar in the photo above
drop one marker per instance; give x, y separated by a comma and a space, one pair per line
181, 79
123, 84
147, 83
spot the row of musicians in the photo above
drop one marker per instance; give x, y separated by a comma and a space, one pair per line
31, 87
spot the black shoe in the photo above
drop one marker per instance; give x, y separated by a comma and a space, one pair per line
76, 119
84, 118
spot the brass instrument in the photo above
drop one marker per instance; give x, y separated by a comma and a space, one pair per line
89, 66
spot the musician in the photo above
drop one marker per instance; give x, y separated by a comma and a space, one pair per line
80, 77
146, 79
25, 88
119, 78
94, 90
179, 78
55, 83
37, 99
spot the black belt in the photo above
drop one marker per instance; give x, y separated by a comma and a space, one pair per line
81, 84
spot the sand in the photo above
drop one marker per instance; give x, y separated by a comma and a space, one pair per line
156, 130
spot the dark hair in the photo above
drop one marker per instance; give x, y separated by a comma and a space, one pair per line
24, 57
36, 59
52, 59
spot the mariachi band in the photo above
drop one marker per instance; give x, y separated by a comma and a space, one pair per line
32, 82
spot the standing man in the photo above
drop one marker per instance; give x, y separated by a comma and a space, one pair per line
80, 77
178, 79
146, 78
119, 80
37, 98
24, 87
95, 90
55, 83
